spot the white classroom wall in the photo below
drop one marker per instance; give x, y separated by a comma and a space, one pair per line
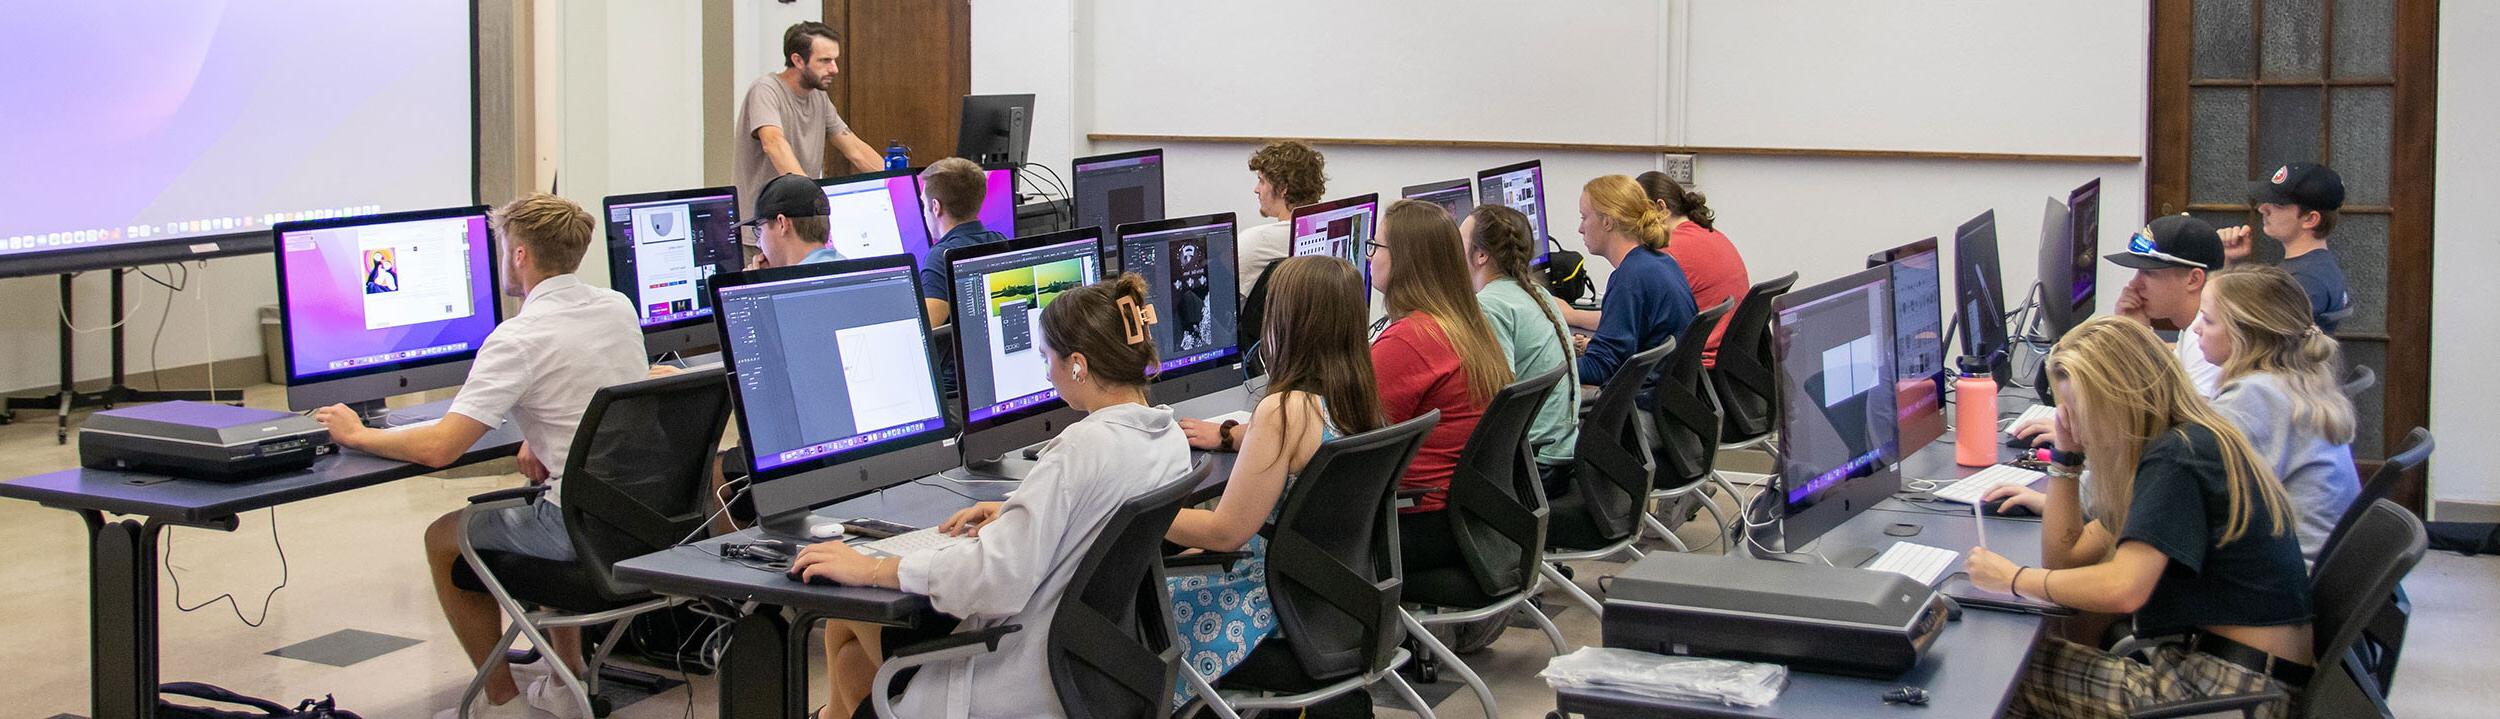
2463, 483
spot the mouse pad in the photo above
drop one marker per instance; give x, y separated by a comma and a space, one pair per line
1961, 590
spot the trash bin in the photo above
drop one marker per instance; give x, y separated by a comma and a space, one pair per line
273, 344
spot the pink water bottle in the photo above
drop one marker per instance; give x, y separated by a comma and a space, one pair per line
1975, 415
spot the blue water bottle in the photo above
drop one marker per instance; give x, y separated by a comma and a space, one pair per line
896, 155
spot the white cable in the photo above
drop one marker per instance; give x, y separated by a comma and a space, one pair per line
63, 311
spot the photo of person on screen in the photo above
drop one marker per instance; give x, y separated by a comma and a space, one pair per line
1196, 316
381, 272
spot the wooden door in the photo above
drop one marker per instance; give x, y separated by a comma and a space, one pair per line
2240, 87
906, 65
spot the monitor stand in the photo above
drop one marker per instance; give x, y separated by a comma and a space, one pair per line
375, 413
994, 470
801, 527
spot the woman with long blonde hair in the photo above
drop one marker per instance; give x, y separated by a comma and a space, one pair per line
2279, 384
2188, 531
1438, 352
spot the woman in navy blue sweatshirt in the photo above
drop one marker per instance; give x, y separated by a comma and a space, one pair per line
1647, 299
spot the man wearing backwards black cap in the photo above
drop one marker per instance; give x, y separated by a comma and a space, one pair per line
2298, 207
2172, 257
791, 210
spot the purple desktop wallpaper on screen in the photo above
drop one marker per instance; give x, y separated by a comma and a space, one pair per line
998, 205
326, 306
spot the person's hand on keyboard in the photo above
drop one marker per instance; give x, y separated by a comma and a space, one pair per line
2019, 496
834, 562
1989, 571
2034, 431
968, 521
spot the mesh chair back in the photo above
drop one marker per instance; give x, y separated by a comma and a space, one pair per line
1251, 323
1613, 476
2418, 446
1688, 423
1332, 555
1747, 393
2357, 579
1497, 503
2360, 379
636, 480
1112, 649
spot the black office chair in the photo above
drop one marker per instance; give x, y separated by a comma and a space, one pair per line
1688, 427
2383, 643
1606, 499
1332, 575
2351, 585
1497, 519
1112, 648
2359, 379
634, 483
1251, 321
1741, 378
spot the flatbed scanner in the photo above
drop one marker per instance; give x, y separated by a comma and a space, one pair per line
1834, 620
200, 440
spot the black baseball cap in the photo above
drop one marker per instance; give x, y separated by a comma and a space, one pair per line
2307, 184
789, 196
2172, 241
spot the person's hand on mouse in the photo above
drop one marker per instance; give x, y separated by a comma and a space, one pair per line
2014, 496
969, 521
1990, 571
835, 561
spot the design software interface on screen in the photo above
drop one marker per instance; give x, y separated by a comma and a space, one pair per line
875, 217
1523, 189
829, 364
1918, 348
1455, 196
1837, 355
1337, 232
1118, 190
664, 253
365, 295
998, 311
1189, 271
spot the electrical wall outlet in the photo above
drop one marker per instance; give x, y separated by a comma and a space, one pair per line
1678, 167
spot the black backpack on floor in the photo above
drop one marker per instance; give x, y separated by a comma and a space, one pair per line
323, 708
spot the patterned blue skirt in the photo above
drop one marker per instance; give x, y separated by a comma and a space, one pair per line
1221, 617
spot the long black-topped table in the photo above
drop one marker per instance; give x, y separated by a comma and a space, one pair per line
122, 561
764, 672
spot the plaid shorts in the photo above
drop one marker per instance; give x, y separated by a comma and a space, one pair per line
2066, 679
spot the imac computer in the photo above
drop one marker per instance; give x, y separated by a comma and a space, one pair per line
1978, 290
1833, 354
1522, 187
1338, 228
1919, 375
1117, 189
995, 128
1000, 291
837, 396
664, 248
2070, 268
1187, 263
998, 201
1457, 196
381, 305
876, 214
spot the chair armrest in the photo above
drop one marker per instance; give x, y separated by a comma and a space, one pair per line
2243, 703
1203, 562
987, 638
1408, 496
960, 645
519, 495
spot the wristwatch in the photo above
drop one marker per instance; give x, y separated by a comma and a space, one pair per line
1224, 435
2063, 457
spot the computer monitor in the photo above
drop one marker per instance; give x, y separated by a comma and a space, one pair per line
2069, 298
1341, 228
1000, 290
1188, 266
876, 214
1919, 373
380, 305
998, 200
1833, 354
837, 397
664, 248
1117, 189
995, 128
1522, 187
1458, 196
1978, 289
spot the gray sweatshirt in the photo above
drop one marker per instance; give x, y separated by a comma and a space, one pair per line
1015, 572
2319, 477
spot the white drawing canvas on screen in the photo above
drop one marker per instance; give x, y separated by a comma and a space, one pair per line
430, 264
885, 392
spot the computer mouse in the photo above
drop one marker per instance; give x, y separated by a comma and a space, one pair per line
2018, 442
2000, 508
818, 581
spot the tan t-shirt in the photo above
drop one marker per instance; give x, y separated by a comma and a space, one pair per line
805, 121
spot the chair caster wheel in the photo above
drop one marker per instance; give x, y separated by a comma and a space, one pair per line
1565, 570
601, 707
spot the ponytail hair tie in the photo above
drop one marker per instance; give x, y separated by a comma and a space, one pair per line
2312, 331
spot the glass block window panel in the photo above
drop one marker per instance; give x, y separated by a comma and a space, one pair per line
2295, 40
2222, 43
2369, 409
2362, 142
2360, 243
2287, 128
2218, 168
2364, 39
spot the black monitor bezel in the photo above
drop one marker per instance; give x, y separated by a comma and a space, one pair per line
607, 211
1294, 220
286, 309
1853, 496
1461, 183
1890, 260
954, 258
2087, 250
1232, 362
1544, 199
2056, 269
2000, 357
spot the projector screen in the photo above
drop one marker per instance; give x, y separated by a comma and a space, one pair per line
172, 129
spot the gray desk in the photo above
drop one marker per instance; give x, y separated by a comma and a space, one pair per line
122, 569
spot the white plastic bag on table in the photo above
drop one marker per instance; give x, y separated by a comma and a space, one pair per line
1733, 683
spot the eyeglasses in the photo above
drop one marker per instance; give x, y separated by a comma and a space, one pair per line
1372, 248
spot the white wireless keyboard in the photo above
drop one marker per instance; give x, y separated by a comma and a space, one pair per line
1916, 561
2040, 412
912, 542
1969, 489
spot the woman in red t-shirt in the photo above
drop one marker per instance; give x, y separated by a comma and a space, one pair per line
1437, 353
1711, 264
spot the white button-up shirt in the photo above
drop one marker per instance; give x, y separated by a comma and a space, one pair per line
540, 368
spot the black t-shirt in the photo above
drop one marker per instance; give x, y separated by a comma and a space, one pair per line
2323, 278
2181, 507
